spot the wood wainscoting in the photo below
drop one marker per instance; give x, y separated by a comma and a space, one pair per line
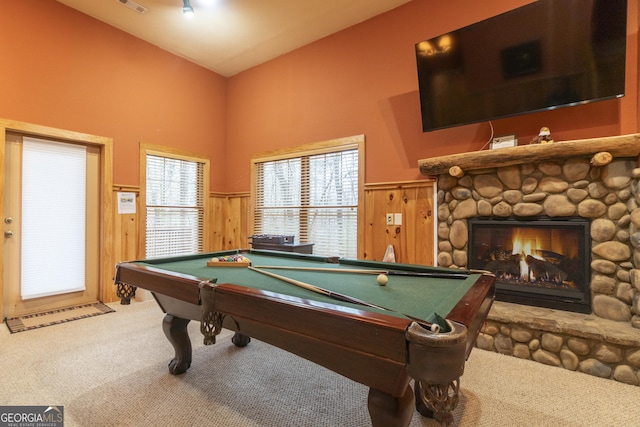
229, 228
413, 240
231, 220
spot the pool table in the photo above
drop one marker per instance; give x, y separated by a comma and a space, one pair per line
420, 326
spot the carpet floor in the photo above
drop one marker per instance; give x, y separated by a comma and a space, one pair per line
112, 371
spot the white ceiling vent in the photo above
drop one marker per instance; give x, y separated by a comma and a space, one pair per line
137, 7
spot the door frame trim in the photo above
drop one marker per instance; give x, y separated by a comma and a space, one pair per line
105, 144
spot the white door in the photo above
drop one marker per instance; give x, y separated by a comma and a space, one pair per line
40, 272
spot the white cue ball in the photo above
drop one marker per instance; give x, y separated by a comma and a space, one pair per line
382, 279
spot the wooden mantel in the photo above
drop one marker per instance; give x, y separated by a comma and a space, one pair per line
616, 146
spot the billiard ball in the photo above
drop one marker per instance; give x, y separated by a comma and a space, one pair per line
382, 279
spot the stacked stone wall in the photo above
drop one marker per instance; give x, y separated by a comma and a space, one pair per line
609, 196
568, 340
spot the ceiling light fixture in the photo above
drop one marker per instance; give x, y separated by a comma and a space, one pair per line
187, 10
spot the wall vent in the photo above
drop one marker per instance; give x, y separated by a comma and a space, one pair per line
137, 7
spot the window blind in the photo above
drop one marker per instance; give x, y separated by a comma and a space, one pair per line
174, 206
53, 218
314, 198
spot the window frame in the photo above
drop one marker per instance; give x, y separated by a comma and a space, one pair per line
356, 142
173, 153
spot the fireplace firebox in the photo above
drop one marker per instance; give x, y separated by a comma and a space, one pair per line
541, 261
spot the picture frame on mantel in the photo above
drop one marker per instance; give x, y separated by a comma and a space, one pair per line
504, 141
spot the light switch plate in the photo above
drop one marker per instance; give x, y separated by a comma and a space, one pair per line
397, 219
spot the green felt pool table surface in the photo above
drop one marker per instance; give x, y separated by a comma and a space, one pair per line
415, 296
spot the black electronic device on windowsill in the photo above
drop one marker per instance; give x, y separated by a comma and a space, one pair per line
283, 243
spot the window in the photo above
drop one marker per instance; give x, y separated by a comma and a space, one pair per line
174, 204
313, 194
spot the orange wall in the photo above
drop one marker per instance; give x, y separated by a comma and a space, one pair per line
63, 69
363, 80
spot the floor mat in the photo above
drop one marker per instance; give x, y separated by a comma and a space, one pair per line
55, 317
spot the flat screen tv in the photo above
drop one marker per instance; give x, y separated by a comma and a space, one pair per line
544, 55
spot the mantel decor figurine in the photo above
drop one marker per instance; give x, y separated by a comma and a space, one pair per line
544, 137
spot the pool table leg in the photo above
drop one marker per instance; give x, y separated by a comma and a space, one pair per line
240, 340
388, 411
175, 329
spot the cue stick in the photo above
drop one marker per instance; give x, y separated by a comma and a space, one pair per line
317, 289
335, 295
365, 271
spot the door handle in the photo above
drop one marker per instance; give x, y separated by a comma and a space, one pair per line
8, 233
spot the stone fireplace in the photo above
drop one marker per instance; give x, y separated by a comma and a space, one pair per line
594, 182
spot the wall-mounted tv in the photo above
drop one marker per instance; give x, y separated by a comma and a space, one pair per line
544, 55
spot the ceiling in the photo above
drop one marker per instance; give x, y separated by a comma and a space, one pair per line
229, 36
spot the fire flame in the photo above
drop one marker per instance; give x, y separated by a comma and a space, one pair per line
525, 244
